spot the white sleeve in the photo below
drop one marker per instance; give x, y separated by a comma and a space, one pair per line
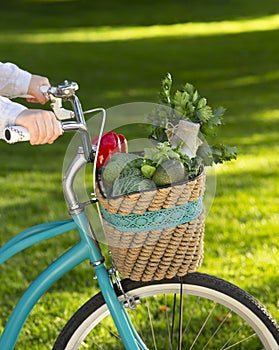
14, 82
8, 112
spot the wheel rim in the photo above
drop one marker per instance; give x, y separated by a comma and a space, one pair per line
219, 328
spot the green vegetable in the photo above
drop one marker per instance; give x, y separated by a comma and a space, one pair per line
111, 172
217, 153
161, 152
131, 182
123, 157
148, 170
118, 162
170, 171
187, 104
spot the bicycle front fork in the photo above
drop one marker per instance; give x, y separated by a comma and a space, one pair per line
127, 332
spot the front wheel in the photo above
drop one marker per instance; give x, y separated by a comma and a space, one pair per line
197, 311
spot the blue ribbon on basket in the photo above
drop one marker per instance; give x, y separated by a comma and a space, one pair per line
155, 220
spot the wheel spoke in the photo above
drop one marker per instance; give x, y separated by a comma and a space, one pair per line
228, 315
168, 322
202, 327
239, 342
173, 317
151, 323
111, 333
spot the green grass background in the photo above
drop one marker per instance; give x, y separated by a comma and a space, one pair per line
237, 68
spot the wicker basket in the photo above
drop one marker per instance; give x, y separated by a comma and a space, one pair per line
171, 246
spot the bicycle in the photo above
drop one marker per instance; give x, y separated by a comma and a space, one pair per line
196, 311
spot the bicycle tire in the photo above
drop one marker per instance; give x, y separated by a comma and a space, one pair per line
245, 323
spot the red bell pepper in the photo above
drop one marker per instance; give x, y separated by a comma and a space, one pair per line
110, 143
123, 143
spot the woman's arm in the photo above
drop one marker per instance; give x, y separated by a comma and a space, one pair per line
14, 81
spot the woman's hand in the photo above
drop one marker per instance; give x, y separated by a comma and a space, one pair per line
34, 89
42, 125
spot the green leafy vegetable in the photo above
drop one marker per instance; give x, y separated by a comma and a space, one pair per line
132, 181
187, 104
161, 152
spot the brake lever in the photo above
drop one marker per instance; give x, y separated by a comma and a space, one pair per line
60, 112
57, 94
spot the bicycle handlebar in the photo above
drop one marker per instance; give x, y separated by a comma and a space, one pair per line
16, 133
63, 92
56, 95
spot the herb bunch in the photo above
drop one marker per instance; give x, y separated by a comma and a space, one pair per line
187, 104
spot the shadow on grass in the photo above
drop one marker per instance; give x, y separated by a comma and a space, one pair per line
30, 14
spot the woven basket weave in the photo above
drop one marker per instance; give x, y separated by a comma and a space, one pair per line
158, 253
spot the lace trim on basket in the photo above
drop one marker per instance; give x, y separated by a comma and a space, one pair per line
155, 220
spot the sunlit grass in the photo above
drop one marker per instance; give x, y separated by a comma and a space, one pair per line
107, 34
249, 164
249, 80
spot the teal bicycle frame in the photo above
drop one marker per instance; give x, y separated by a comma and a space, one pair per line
86, 248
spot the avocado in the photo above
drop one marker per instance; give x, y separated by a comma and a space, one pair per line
170, 171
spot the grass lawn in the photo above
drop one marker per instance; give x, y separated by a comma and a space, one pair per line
118, 52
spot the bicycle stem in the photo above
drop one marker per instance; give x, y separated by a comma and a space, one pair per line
87, 145
68, 181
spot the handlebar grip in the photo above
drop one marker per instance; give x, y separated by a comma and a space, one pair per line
16, 133
13, 134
